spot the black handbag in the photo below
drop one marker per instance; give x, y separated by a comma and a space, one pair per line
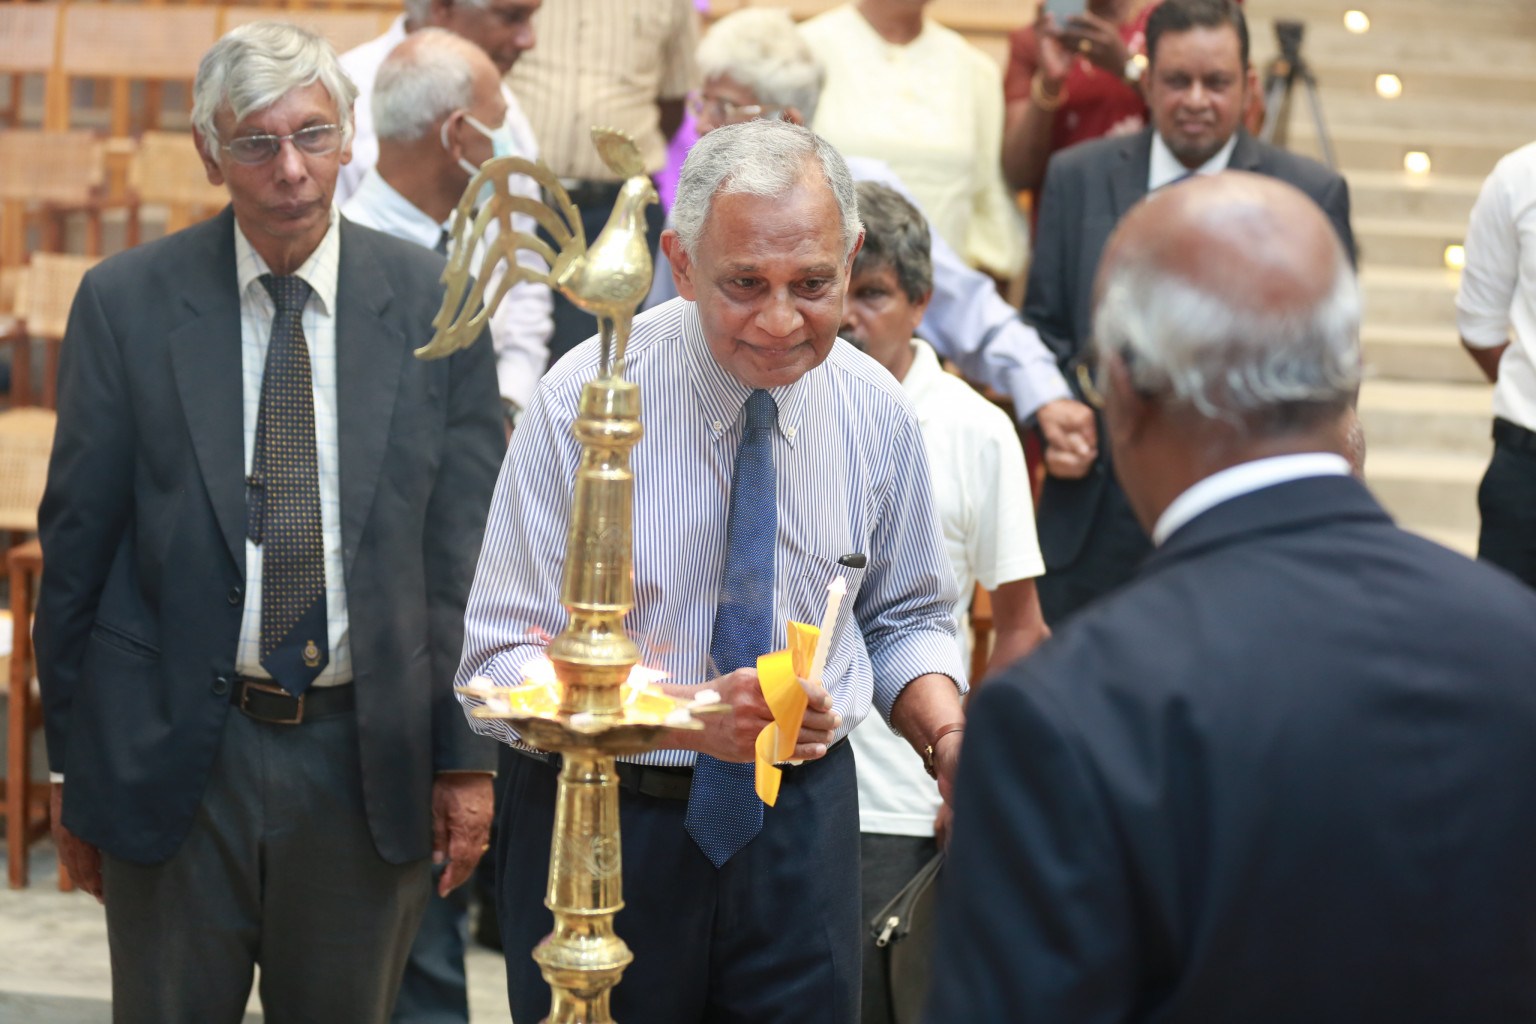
903, 929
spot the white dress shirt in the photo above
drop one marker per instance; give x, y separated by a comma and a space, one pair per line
1164, 168
967, 320
521, 327
319, 319
1244, 478
1497, 299
981, 491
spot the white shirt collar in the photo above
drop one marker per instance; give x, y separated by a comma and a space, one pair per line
319, 271
378, 205
1165, 168
1244, 478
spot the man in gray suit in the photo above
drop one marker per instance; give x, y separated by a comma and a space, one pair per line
261, 522
1197, 85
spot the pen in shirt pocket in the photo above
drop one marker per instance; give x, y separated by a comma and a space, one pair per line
853, 560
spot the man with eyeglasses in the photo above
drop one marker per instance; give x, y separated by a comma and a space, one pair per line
502, 28
261, 521
441, 111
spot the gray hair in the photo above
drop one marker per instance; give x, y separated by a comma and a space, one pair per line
762, 50
256, 65
419, 12
419, 85
896, 236
758, 158
1265, 372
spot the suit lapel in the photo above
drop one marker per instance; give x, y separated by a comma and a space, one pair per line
1246, 155
1128, 179
205, 361
369, 355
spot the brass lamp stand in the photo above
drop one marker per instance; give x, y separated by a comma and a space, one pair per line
597, 708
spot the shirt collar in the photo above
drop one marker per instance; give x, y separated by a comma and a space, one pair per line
1244, 478
1165, 168
319, 271
921, 376
392, 213
722, 396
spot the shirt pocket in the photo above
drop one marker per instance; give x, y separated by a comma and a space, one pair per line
814, 574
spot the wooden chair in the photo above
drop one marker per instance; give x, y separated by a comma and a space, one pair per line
50, 174
166, 172
345, 28
127, 42
45, 294
26, 438
28, 46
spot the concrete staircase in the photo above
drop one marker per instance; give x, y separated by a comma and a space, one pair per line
1468, 97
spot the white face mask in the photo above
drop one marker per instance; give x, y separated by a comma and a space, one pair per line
501, 145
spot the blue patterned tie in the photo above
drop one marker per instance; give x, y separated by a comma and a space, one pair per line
283, 500
724, 813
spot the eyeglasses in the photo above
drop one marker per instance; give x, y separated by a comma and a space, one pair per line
316, 140
723, 111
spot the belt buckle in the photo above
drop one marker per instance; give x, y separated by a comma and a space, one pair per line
254, 684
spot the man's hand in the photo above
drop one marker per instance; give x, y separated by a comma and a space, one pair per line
943, 824
81, 859
1071, 438
1055, 58
1104, 46
733, 737
462, 805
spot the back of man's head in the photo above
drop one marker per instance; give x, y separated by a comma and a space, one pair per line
1185, 15
896, 236
257, 64
761, 49
760, 158
423, 80
1229, 301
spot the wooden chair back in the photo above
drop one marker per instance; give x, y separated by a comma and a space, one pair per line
26, 441
127, 42
166, 171
45, 294
61, 170
344, 28
28, 46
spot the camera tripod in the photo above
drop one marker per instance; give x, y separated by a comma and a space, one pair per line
1280, 80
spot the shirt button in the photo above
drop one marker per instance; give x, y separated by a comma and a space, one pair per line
236, 595
789, 432
220, 685
717, 426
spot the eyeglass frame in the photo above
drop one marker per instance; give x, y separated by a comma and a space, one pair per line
291, 137
730, 111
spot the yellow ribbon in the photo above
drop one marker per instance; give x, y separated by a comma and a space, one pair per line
778, 672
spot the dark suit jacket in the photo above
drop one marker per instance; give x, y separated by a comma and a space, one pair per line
1087, 189
1288, 774
143, 532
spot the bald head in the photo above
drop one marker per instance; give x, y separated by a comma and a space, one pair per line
1232, 295
431, 74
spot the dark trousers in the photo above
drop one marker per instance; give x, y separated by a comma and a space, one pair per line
889, 862
279, 869
574, 325
1115, 547
435, 988
1507, 501
770, 938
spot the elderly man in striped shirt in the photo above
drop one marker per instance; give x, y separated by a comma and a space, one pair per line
775, 459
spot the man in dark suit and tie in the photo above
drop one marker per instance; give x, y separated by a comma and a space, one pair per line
1197, 85
1286, 774
260, 527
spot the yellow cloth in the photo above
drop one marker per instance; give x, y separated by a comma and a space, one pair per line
780, 674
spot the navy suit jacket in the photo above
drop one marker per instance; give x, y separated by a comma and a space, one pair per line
143, 533
1088, 188
1287, 774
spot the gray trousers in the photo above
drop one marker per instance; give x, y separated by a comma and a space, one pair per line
279, 869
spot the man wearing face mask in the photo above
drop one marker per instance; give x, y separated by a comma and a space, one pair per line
440, 111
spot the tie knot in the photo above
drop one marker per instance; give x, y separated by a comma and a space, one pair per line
289, 291
761, 410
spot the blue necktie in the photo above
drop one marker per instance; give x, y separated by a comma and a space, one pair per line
283, 500
724, 813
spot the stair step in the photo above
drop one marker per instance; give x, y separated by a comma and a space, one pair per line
1409, 296
1328, 43
1405, 241
1426, 489
1413, 353
1508, 18
1431, 197
1377, 148
1451, 419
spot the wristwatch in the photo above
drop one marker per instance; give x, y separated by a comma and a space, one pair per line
939, 734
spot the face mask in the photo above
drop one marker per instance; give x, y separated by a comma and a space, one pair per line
501, 145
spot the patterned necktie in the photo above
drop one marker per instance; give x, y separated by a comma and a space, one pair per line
283, 500
724, 813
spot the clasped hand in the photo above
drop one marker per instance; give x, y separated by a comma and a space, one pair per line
733, 736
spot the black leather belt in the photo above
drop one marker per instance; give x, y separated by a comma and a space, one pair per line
1513, 435
591, 192
265, 701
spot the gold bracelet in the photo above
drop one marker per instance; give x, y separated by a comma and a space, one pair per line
1046, 103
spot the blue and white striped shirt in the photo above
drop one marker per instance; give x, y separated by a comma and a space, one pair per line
851, 477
